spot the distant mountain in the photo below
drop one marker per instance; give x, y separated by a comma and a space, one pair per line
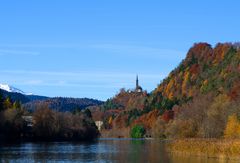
63, 104
30, 101
18, 95
12, 89
14, 96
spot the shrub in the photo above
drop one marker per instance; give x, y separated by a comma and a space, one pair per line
137, 131
159, 128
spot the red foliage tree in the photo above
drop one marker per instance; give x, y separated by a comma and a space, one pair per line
168, 115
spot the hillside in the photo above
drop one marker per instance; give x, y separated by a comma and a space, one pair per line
31, 102
203, 89
63, 104
204, 70
17, 96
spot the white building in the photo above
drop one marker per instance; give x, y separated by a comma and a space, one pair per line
99, 124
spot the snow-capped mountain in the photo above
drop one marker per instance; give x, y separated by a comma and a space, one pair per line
9, 88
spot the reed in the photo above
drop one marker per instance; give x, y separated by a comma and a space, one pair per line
227, 148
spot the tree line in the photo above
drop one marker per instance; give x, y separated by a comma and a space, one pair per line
44, 123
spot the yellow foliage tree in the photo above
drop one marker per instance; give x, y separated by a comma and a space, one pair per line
110, 120
232, 129
7, 103
169, 87
170, 95
185, 82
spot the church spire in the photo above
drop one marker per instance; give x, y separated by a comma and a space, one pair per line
137, 85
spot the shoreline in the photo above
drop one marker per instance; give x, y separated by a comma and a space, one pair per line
224, 149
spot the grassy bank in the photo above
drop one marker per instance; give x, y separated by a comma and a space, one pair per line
220, 148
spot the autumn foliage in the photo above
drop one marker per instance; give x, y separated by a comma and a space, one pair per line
233, 127
195, 100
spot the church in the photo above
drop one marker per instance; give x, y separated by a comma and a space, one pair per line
138, 87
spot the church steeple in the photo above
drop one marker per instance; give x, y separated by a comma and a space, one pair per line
137, 85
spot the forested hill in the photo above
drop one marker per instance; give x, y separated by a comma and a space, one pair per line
203, 94
63, 104
14, 96
31, 102
198, 96
204, 70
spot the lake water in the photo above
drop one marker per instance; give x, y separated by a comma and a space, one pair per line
103, 150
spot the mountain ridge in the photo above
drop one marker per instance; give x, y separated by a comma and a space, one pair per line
12, 89
31, 102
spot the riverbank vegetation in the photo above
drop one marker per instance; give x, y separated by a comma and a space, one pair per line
220, 148
205, 117
44, 124
137, 131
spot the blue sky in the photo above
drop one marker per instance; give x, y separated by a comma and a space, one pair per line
93, 48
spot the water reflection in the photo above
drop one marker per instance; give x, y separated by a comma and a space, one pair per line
103, 150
